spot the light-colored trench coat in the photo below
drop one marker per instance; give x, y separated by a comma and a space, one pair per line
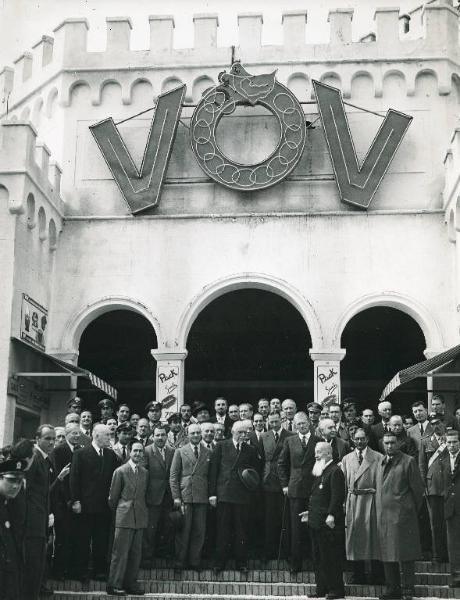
399, 498
362, 541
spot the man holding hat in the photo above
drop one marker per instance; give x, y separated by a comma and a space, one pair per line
233, 476
11, 566
106, 406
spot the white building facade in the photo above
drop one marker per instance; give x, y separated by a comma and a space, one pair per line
70, 243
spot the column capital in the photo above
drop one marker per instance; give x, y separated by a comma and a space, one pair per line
327, 354
159, 355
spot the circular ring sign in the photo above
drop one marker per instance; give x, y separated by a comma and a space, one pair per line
240, 88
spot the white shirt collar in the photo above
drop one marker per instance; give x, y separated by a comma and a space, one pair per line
96, 447
41, 451
133, 466
304, 435
363, 452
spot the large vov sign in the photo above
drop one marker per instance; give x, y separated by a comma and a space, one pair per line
357, 183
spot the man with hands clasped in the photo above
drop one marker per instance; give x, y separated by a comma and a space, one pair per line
326, 521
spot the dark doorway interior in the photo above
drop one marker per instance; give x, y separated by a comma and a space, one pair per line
249, 344
116, 347
381, 341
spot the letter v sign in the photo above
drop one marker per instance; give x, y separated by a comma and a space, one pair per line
357, 184
141, 189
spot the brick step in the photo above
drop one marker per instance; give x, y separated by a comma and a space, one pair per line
283, 565
208, 576
187, 588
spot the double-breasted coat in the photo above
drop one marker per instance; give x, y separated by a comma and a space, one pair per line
362, 541
399, 498
188, 478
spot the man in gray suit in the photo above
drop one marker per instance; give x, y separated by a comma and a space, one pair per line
423, 428
189, 488
127, 499
157, 460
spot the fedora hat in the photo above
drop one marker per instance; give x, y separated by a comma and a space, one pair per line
177, 519
249, 478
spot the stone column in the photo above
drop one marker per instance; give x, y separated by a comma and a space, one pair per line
170, 379
326, 376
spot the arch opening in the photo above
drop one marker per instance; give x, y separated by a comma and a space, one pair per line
116, 346
380, 341
247, 344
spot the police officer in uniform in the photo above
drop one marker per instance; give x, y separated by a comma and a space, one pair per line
107, 408
11, 566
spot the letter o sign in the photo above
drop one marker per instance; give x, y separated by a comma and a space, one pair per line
240, 88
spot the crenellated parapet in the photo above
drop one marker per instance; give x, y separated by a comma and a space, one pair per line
30, 180
61, 62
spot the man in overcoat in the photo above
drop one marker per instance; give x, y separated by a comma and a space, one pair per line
360, 468
127, 500
451, 470
433, 452
399, 498
189, 488
295, 464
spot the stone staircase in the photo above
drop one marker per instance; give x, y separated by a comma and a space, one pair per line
264, 580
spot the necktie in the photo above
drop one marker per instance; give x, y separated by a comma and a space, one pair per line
175, 437
290, 426
360, 456
421, 428
195, 450
209, 446
277, 437
387, 466
302, 439
101, 453
124, 452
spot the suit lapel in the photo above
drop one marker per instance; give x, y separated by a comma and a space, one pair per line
364, 466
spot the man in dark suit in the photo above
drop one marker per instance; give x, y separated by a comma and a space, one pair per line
335, 413
177, 436
438, 411
125, 433
406, 444
451, 472
255, 435
385, 410
221, 416
326, 522
64, 518
423, 427
271, 445
39, 477
91, 473
127, 500
433, 451
230, 495
189, 488
157, 459
328, 433
295, 463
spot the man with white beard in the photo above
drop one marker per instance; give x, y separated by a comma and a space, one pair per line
326, 520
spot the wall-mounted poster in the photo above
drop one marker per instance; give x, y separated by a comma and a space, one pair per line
34, 320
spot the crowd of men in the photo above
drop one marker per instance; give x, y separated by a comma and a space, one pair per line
119, 490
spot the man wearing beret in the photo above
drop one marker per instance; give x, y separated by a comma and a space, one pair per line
230, 494
176, 434
153, 410
125, 433
11, 566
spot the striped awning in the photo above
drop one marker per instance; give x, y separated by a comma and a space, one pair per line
67, 369
420, 369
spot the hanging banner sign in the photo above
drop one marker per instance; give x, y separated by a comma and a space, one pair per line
34, 319
357, 183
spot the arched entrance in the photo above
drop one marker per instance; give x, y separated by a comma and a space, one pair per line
246, 344
116, 345
379, 342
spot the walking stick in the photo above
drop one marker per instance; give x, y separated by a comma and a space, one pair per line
282, 532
